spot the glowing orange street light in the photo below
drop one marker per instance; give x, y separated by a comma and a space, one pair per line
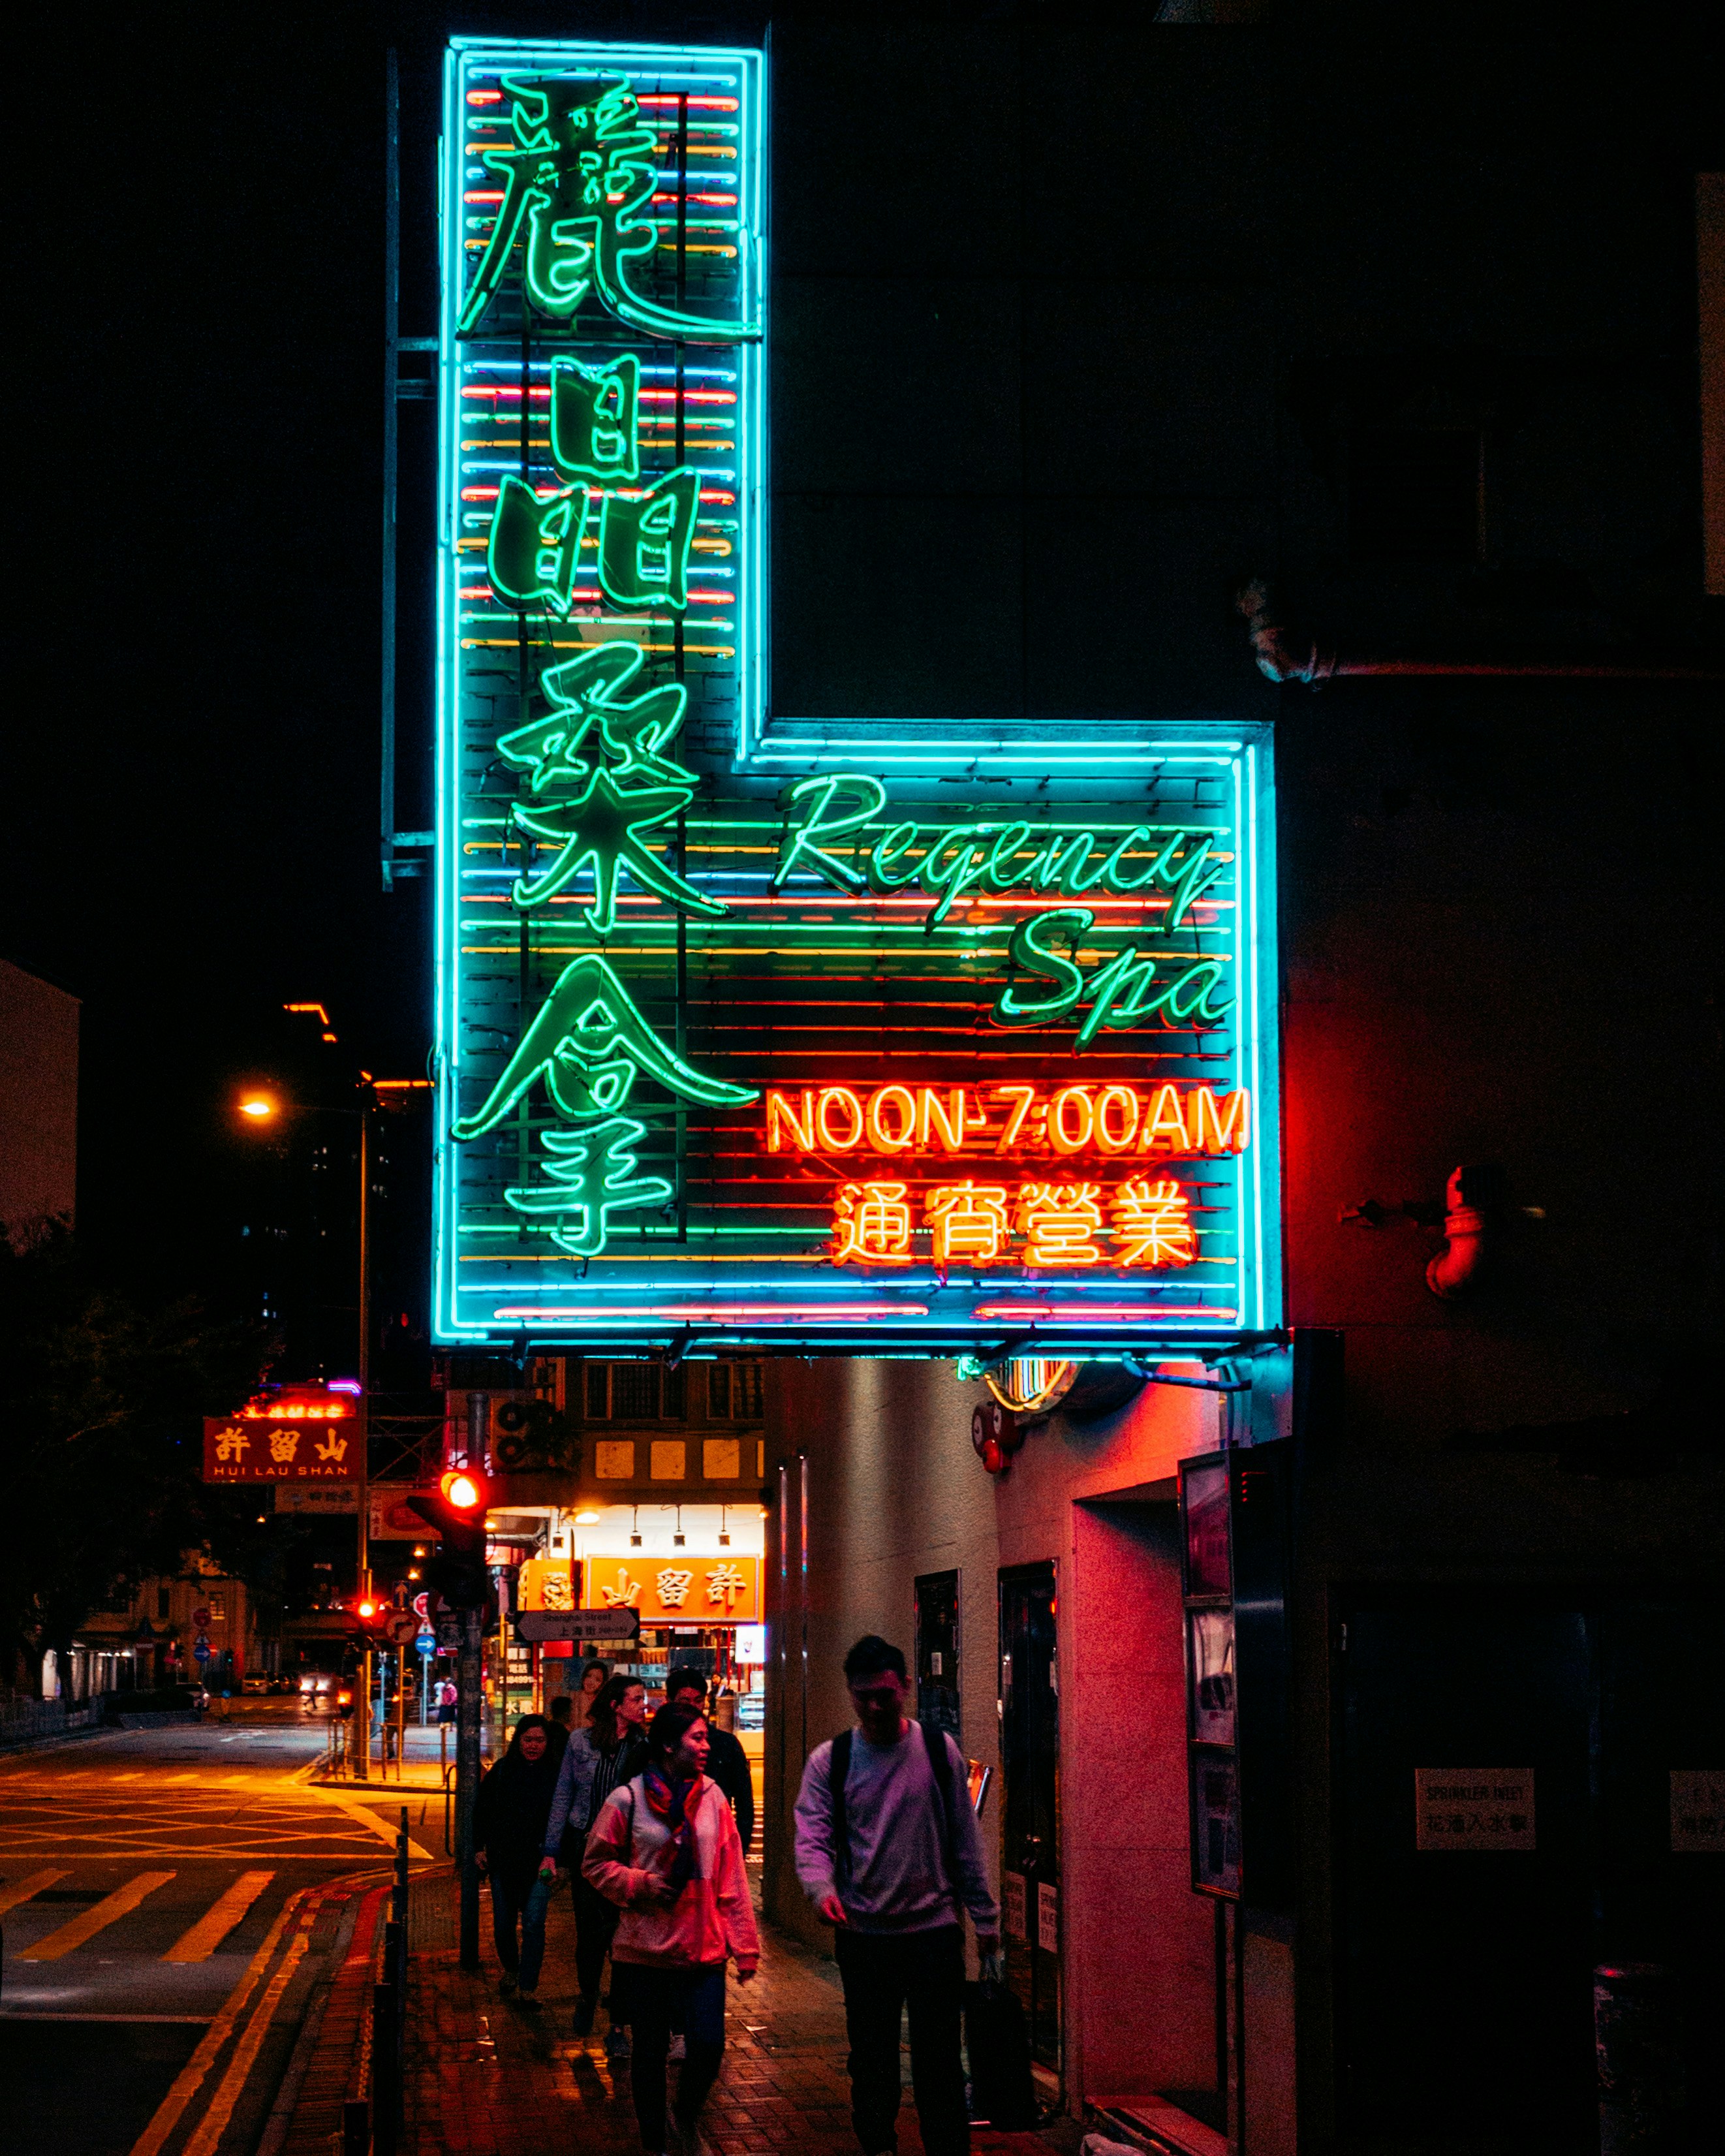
259, 1106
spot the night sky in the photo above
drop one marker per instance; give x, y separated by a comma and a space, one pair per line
192, 766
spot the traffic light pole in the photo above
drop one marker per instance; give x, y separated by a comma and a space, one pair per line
469, 1706
361, 1753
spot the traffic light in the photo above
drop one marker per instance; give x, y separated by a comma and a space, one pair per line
455, 1511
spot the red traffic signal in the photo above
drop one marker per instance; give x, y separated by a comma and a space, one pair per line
455, 1511
464, 1491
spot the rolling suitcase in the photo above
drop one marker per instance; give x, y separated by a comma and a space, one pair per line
997, 2041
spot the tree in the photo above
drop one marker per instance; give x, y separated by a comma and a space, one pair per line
101, 1399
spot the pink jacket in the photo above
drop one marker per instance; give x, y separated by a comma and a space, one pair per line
712, 1918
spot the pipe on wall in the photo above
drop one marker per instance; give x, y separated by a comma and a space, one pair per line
1281, 659
1457, 1266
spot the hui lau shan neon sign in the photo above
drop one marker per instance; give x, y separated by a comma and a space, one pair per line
920, 1036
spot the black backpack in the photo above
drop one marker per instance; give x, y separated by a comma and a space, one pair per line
940, 1765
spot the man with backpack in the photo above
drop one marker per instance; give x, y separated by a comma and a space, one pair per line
888, 1850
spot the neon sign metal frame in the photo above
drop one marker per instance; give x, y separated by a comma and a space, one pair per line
1105, 926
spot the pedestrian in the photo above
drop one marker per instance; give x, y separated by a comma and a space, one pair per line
609, 1752
508, 1836
888, 1850
665, 1849
446, 1700
561, 1708
726, 1762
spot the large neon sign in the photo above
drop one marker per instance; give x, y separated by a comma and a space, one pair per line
752, 1028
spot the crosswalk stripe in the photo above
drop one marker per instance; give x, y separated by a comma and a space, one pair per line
35, 1883
223, 1913
117, 1904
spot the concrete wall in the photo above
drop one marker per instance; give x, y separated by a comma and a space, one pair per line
38, 1099
894, 1489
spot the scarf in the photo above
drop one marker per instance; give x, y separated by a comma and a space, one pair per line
669, 1799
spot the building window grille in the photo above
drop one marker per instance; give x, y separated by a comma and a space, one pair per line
733, 1392
635, 1391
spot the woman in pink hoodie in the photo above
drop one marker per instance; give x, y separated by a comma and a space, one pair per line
665, 1848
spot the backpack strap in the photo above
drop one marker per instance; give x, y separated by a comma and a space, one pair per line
940, 1765
838, 1768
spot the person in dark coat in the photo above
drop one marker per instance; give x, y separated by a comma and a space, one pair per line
508, 1836
610, 1751
727, 1762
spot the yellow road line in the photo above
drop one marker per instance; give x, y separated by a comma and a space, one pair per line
193, 2075
213, 2124
223, 1913
37, 1881
368, 1817
117, 1904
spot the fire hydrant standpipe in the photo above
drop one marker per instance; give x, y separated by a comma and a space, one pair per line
1456, 1267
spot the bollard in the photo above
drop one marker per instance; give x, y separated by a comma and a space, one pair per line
1638, 2045
386, 2069
400, 1908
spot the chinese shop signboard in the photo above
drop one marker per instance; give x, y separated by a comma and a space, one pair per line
236, 1449
678, 1589
754, 1029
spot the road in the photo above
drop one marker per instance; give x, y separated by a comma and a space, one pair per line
171, 1900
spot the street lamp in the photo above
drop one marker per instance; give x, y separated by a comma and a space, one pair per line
260, 1107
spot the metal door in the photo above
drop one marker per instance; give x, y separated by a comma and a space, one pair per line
1030, 1810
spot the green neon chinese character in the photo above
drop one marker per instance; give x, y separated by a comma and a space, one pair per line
592, 726
644, 540
594, 427
590, 1043
592, 1172
583, 170
535, 546
598, 784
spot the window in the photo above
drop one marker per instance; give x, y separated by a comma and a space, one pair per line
633, 1391
1414, 494
164, 1602
733, 1392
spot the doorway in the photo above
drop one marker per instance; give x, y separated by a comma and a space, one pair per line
937, 1693
1029, 1811
1471, 1924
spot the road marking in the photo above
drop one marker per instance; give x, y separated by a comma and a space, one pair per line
117, 1904
212, 2126
193, 2075
10, 1897
223, 1913
368, 1817
175, 2020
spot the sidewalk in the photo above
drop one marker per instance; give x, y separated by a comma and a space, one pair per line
488, 2077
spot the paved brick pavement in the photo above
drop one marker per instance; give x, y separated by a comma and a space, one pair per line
486, 2077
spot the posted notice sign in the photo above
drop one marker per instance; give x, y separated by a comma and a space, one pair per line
1473, 1808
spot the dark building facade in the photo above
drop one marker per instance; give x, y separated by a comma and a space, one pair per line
1107, 362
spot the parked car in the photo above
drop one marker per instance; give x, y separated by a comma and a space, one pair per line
255, 1682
